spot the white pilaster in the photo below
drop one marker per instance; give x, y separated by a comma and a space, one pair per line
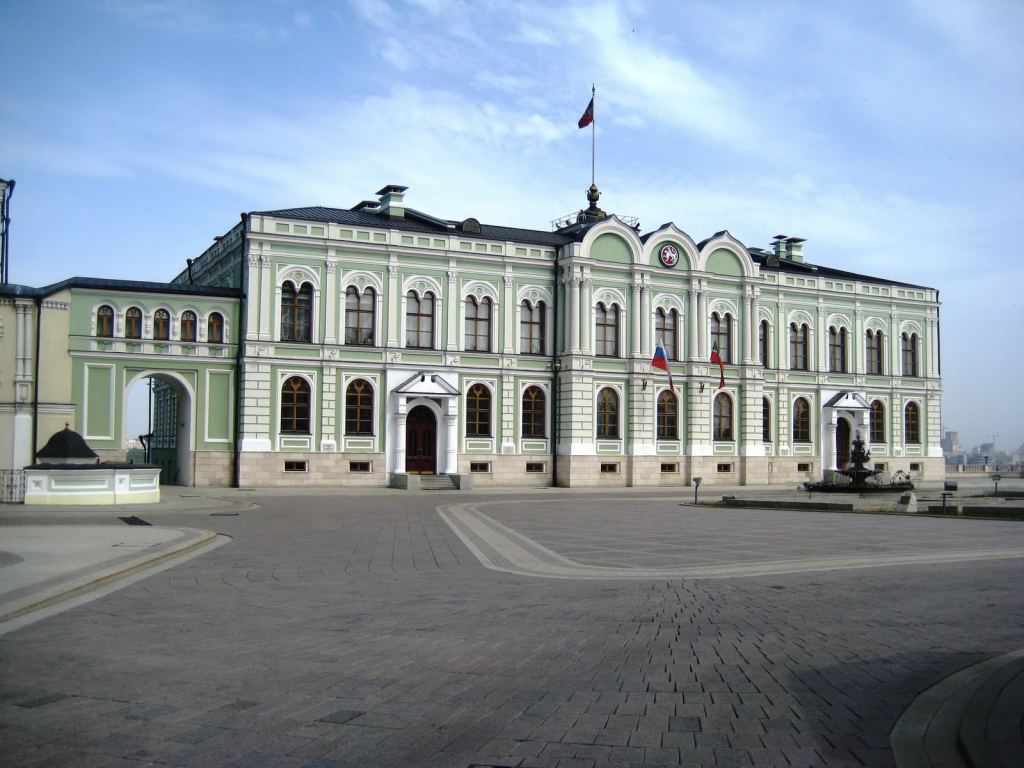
331, 330
574, 314
634, 336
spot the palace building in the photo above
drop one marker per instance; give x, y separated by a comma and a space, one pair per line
371, 344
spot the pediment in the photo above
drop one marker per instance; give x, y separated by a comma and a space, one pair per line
849, 401
427, 383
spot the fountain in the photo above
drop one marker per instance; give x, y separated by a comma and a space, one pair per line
861, 479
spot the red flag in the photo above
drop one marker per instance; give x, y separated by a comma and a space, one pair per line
588, 114
717, 358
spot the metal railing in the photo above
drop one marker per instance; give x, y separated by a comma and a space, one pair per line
12, 486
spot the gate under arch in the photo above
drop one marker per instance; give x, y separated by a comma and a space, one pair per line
170, 445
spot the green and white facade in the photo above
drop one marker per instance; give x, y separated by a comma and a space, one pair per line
361, 345
600, 295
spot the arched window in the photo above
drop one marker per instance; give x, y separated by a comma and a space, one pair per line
215, 328
478, 324
874, 352
188, 325
133, 323
606, 320
295, 405
666, 325
359, 408
837, 350
478, 411
801, 421
105, 321
419, 320
877, 421
668, 415
909, 354
608, 414
766, 420
296, 312
359, 311
533, 412
531, 328
911, 423
798, 335
161, 325
763, 337
723, 417
721, 335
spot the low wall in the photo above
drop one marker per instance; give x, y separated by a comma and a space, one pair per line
92, 484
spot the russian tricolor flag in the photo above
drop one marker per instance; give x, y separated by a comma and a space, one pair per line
661, 361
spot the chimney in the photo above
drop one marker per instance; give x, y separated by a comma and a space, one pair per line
789, 248
795, 249
392, 199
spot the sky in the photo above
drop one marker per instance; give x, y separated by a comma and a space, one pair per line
885, 132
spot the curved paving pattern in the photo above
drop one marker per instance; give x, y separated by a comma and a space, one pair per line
501, 548
354, 630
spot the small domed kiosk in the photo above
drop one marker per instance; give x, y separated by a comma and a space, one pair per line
69, 472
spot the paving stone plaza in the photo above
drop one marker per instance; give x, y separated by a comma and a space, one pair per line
546, 628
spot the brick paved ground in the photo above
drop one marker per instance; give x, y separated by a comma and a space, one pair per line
359, 631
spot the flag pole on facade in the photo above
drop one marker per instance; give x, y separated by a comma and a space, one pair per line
588, 119
661, 361
717, 358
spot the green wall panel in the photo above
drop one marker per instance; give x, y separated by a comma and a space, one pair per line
723, 262
611, 248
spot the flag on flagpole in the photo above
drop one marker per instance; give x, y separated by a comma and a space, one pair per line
661, 361
717, 358
588, 114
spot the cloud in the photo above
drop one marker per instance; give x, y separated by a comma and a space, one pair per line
377, 12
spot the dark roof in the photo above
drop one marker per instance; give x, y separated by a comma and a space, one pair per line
416, 221
66, 444
133, 286
804, 268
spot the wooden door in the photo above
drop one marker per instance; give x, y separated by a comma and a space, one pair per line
421, 442
842, 443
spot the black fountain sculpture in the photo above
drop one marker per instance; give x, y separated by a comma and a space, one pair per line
861, 479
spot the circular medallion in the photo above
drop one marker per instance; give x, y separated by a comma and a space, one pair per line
668, 255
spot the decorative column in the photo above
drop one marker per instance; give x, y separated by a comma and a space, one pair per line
646, 349
781, 337
586, 314
452, 314
400, 438
820, 339
565, 280
933, 347
691, 322
395, 304
858, 344
702, 318
895, 347
258, 308
828, 461
748, 312
331, 335
509, 328
451, 440
755, 326
574, 314
634, 308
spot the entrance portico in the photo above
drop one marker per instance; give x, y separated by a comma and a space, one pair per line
413, 403
842, 416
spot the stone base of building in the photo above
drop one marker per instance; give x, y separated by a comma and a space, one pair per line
214, 469
341, 469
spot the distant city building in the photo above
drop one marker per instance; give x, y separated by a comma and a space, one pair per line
951, 443
362, 345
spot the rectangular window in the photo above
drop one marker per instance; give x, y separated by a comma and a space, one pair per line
535, 466
359, 466
609, 468
669, 468
725, 467
879, 467
479, 466
803, 467
295, 466
874, 343
915, 467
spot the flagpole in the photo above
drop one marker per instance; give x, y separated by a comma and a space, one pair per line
593, 137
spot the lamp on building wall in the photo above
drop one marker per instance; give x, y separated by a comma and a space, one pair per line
643, 384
